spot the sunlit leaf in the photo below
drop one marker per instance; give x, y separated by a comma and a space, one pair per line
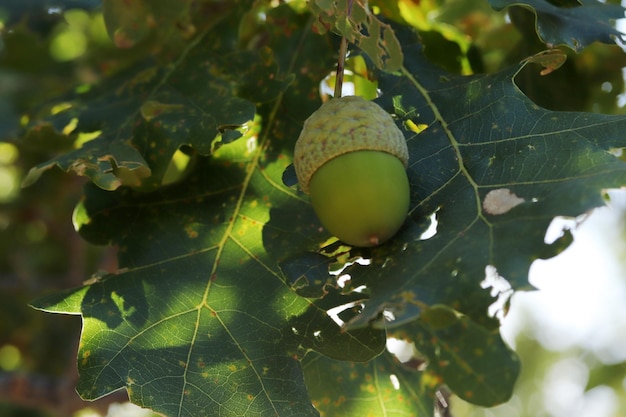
361, 27
147, 114
381, 387
199, 319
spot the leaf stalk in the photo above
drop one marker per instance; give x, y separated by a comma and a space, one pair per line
341, 61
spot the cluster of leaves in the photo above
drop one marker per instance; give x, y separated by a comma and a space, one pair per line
226, 299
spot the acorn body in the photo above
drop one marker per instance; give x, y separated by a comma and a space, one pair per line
351, 158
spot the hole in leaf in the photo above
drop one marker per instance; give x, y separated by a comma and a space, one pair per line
356, 81
338, 268
406, 353
559, 225
327, 85
617, 152
424, 226
394, 381
432, 228
342, 279
388, 315
334, 312
500, 288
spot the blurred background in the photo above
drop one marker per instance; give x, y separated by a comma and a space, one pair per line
570, 334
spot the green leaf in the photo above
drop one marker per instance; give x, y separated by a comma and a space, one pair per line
494, 169
131, 22
472, 361
146, 114
577, 26
362, 28
199, 319
224, 278
182, 349
381, 387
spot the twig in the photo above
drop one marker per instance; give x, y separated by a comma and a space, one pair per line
341, 62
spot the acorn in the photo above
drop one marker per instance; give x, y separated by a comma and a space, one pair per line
351, 159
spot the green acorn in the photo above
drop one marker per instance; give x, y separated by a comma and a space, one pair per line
351, 159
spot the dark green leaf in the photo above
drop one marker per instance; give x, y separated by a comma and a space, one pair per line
495, 169
474, 362
576, 27
129, 22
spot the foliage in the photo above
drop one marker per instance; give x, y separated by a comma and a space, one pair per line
228, 297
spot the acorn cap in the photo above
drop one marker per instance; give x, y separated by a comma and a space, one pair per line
343, 125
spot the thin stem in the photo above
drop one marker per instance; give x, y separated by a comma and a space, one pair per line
341, 62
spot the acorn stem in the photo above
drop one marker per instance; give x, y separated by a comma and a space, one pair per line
341, 62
